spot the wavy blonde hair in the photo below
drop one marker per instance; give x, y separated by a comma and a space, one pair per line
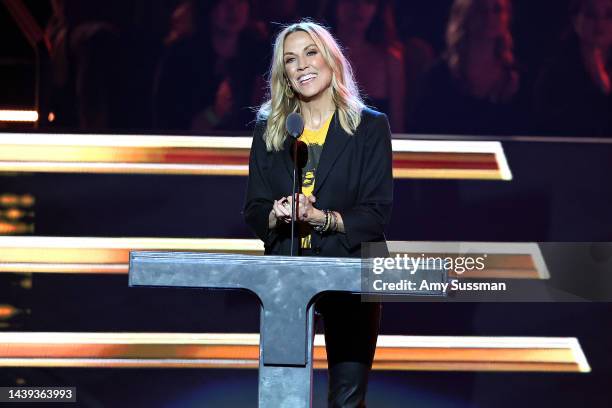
345, 93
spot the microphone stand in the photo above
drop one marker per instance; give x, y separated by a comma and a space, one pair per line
295, 205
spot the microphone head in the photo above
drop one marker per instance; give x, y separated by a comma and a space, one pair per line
294, 124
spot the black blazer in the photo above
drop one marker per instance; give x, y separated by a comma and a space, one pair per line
354, 177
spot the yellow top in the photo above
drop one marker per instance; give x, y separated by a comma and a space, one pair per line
314, 140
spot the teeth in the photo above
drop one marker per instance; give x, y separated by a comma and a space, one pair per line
306, 77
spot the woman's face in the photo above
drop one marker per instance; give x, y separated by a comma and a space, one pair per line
593, 23
230, 16
490, 18
356, 14
307, 71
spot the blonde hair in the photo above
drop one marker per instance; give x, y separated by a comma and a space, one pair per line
457, 38
345, 93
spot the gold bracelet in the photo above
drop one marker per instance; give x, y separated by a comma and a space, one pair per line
327, 221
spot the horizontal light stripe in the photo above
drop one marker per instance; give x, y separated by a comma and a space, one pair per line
447, 174
132, 243
252, 339
7, 115
92, 255
134, 168
68, 139
217, 169
242, 350
214, 155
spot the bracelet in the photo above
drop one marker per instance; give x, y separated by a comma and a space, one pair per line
327, 221
330, 225
323, 228
334, 226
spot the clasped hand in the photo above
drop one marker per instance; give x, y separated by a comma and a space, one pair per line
306, 210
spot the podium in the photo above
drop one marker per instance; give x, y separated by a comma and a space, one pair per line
287, 288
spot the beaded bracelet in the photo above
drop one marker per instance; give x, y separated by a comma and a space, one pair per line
323, 228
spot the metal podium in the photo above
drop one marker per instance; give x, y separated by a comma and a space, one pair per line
286, 288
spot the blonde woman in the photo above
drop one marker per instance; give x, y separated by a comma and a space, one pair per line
347, 186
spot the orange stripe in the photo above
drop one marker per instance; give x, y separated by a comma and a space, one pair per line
414, 164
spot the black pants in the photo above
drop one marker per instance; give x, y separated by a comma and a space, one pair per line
351, 329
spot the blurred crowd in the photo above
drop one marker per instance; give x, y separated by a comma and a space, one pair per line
199, 66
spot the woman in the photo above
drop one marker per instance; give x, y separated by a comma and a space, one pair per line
475, 88
367, 29
573, 94
347, 186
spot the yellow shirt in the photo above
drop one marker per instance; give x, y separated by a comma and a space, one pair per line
314, 140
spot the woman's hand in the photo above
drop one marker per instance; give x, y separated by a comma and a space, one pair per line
306, 210
281, 212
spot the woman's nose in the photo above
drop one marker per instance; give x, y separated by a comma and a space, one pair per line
302, 64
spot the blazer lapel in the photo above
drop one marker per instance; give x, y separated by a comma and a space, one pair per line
335, 143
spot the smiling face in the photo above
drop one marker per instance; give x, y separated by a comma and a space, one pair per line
593, 23
305, 67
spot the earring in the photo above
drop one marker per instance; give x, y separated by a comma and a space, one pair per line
289, 92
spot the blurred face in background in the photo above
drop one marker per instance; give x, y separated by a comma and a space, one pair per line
489, 19
305, 67
230, 16
356, 14
593, 23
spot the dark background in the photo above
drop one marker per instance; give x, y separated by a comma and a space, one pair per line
560, 192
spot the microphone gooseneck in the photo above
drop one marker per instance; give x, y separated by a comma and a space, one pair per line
294, 124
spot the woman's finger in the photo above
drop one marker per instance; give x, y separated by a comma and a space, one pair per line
304, 201
281, 210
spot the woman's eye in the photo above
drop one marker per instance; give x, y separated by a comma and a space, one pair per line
288, 60
311, 53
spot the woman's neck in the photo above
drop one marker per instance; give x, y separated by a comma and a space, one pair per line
316, 110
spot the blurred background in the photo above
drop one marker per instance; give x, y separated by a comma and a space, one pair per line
533, 76
490, 67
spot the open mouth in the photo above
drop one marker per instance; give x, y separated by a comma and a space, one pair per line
306, 79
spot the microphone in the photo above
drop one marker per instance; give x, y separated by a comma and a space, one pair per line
295, 127
294, 124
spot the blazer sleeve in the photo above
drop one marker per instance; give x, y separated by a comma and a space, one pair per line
366, 221
259, 201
